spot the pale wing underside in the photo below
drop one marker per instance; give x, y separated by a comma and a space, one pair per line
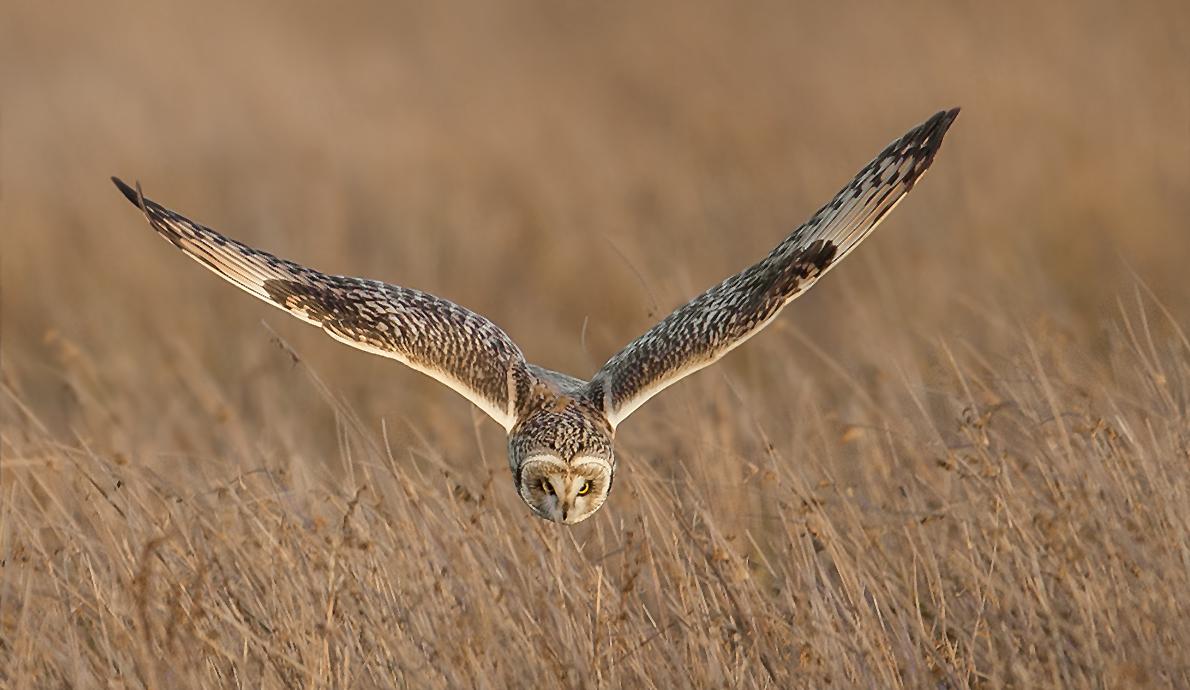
452, 344
723, 317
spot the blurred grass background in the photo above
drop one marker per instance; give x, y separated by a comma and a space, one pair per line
574, 171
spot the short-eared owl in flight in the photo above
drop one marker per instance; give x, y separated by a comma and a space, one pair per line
560, 428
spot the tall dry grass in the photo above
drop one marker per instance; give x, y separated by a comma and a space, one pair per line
1016, 523
960, 461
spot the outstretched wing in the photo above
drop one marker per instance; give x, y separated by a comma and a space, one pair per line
720, 319
454, 345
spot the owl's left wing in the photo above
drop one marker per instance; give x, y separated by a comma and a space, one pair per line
723, 317
452, 344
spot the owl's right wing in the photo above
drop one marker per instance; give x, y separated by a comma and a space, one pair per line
723, 317
454, 345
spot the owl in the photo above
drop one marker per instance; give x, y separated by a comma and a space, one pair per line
561, 429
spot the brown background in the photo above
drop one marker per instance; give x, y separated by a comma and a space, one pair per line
527, 160
573, 172
877, 479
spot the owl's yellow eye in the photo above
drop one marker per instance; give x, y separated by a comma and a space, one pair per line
586, 488
547, 487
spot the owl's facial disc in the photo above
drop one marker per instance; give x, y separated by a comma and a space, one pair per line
565, 493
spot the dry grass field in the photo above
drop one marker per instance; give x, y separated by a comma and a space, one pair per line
961, 461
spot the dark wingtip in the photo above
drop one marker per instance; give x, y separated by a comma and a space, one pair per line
945, 119
129, 192
927, 139
935, 128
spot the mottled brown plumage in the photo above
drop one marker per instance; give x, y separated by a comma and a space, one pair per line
561, 429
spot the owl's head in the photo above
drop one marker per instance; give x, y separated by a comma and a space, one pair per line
563, 464
565, 492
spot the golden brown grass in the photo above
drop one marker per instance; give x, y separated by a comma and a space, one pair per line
962, 461
1028, 531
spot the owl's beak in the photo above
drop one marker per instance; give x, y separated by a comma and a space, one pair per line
565, 507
